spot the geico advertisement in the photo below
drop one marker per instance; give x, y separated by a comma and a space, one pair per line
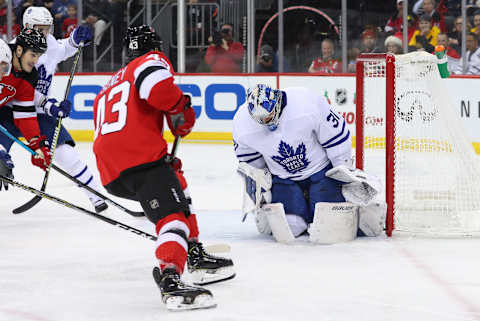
215, 99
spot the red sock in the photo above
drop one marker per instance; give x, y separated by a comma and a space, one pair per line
192, 221
172, 246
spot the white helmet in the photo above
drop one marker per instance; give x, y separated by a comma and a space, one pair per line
37, 16
6, 55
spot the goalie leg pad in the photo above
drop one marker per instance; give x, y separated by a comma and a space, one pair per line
334, 223
261, 221
372, 218
256, 186
278, 222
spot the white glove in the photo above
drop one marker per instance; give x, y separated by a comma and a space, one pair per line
361, 188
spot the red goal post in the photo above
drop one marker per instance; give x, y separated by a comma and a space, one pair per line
386, 70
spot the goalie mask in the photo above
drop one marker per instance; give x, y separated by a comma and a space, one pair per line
265, 105
140, 40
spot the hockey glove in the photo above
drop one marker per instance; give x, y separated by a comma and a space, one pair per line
43, 157
6, 166
181, 117
176, 163
55, 109
81, 33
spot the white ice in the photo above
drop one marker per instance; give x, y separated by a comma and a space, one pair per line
60, 265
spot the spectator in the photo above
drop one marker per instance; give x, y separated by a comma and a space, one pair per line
49, 5
3, 11
70, 23
20, 9
452, 55
393, 44
306, 47
425, 38
266, 61
453, 7
98, 25
472, 7
473, 56
394, 24
60, 13
224, 54
476, 23
369, 41
455, 36
427, 7
352, 55
15, 29
60, 9
327, 63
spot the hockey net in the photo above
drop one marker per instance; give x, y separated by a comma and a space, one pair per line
409, 133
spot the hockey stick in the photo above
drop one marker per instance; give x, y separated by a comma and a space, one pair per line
31, 203
78, 208
70, 177
171, 157
213, 248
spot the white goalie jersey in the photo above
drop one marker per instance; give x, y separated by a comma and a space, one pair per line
309, 136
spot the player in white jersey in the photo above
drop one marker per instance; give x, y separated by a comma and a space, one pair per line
48, 109
298, 137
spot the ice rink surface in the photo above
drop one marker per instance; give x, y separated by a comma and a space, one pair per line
60, 265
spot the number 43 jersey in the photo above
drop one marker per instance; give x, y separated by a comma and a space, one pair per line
309, 136
128, 115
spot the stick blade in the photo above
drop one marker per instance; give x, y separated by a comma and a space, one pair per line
28, 205
135, 214
218, 248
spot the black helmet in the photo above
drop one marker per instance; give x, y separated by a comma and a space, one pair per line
140, 40
32, 39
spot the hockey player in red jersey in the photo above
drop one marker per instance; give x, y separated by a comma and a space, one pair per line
17, 89
133, 163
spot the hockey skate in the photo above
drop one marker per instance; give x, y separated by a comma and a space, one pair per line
179, 296
206, 268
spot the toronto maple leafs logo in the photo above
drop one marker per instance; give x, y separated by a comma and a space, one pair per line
292, 161
6, 92
44, 80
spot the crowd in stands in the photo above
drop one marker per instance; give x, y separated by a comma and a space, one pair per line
96, 14
310, 45
314, 50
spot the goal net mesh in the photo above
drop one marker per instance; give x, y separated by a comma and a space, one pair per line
435, 172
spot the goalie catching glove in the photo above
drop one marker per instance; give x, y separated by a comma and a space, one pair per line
181, 117
360, 188
43, 156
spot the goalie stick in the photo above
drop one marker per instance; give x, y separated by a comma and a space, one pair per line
24, 208
221, 247
31, 203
